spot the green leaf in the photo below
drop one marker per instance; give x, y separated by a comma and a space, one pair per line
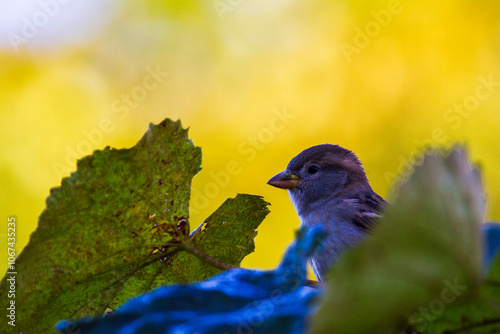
227, 235
424, 255
112, 231
479, 314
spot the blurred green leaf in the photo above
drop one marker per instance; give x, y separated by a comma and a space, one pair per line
112, 229
424, 255
479, 314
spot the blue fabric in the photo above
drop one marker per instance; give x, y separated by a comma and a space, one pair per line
491, 244
236, 301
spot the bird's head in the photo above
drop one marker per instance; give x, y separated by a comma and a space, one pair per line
320, 173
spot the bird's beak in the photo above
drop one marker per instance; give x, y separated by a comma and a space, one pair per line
284, 180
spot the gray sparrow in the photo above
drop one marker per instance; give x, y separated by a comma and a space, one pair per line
328, 186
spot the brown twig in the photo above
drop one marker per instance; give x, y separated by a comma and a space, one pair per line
314, 284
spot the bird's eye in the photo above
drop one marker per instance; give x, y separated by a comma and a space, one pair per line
313, 169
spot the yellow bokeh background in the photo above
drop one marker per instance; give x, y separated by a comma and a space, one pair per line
256, 82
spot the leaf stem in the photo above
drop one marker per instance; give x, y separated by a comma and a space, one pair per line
205, 257
474, 326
